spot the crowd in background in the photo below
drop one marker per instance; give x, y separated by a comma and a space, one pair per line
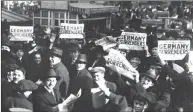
42, 74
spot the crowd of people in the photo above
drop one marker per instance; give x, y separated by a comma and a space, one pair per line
46, 75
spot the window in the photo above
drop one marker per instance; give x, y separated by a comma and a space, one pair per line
44, 13
56, 23
36, 21
72, 16
74, 22
56, 15
54, 18
44, 21
62, 15
37, 14
61, 21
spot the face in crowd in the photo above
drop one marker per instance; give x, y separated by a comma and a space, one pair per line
98, 76
74, 56
146, 82
10, 75
80, 65
139, 106
135, 61
54, 60
156, 68
154, 51
18, 75
50, 82
37, 58
19, 53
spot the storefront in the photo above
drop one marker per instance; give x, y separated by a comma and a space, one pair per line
97, 17
53, 13
13, 18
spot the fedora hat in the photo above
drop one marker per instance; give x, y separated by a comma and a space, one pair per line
151, 74
50, 73
82, 58
99, 49
57, 51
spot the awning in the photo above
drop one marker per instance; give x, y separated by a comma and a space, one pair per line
87, 8
13, 17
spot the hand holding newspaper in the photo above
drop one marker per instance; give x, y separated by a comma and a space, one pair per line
72, 98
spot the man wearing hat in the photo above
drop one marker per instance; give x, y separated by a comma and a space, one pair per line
97, 58
61, 70
135, 60
20, 57
20, 98
84, 81
146, 81
46, 98
98, 74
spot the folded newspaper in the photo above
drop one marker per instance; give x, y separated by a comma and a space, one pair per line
72, 98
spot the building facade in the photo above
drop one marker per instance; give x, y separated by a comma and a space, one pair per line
53, 13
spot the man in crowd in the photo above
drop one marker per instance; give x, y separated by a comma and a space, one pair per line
84, 81
61, 70
35, 68
21, 95
98, 74
20, 57
46, 98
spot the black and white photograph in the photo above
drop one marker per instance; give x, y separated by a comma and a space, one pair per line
96, 56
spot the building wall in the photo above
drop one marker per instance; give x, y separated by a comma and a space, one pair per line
53, 18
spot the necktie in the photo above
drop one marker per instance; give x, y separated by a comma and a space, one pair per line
52, 93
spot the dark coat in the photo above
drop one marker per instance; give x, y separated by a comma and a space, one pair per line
44, 101
119, 102
34, 72
84, 81
7, 91
18, 100
183, 86
63, 83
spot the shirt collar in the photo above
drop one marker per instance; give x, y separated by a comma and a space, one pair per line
48, 89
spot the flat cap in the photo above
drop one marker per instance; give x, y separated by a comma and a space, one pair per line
97, 69
26, 85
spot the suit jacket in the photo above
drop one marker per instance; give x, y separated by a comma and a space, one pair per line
84, 81
44, 101
18, 100
63, 83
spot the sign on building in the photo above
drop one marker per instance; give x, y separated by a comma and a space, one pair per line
63, 5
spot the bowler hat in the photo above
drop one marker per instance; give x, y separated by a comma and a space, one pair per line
50, 73
97, 69
82, 58
99, 49
57, 51
151, 74
26, 85
144, 96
